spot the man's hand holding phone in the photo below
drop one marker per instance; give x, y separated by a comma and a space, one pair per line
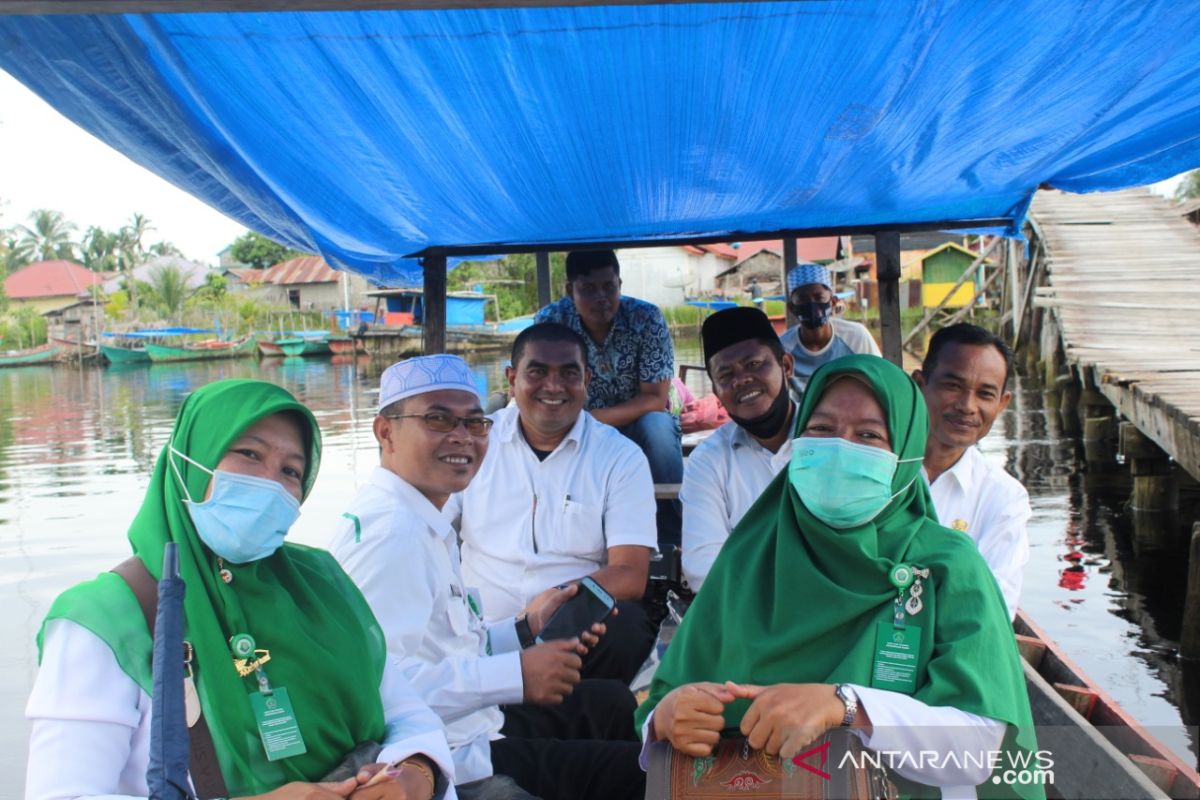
546, 605
550, 670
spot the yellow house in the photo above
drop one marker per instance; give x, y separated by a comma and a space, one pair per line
941, 268
49, 285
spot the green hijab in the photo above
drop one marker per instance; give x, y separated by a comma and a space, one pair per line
792, 600
326, 648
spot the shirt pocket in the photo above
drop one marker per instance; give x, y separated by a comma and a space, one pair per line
457, 613
581, 532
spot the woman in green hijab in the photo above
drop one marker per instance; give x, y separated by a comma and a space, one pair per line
839, 600
288, 664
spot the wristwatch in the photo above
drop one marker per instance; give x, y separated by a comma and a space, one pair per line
524, 632
849, 698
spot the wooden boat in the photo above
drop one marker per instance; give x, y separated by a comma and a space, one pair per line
133, 354
269, 349
76, 350
304, 346
1099, 750
45, 354
347, 345
201, 351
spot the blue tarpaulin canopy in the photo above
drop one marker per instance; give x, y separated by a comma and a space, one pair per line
375, 136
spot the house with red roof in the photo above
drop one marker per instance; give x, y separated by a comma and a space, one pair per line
764, 261
304, 283
50, 285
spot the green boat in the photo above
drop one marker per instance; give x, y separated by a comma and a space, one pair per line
201, 351
116, 354
46, 354
304, 345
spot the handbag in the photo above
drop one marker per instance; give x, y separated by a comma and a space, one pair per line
734, 769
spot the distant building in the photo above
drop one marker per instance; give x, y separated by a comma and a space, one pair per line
941, 268
50, 285
764, 260
304, 283
194, 273
913, 247
399, 307
668, 276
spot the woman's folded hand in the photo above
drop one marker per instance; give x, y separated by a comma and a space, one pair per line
691, 717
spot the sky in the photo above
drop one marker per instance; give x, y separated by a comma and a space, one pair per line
46, 161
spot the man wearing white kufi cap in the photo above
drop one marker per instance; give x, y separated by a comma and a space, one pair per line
403, 554
821, 335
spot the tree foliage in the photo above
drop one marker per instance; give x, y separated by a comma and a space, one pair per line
257, 251
168, 289
513, 279
1189, 187
47, 236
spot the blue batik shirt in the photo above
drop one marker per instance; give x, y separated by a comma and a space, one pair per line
637, 349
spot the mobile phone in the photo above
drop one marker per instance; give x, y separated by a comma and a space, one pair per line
591, 604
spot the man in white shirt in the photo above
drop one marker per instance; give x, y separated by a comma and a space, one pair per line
729, 470
965, 379
821, 336
401, 551
561, 496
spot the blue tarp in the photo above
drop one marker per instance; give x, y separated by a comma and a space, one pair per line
370, 136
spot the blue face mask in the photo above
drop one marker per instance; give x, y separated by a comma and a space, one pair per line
245, 518
843, 484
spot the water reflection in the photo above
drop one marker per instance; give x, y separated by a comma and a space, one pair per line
77, 447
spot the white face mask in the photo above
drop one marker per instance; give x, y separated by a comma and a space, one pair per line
245, 518
844, 484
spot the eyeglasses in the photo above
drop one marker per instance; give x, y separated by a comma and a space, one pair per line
441, 422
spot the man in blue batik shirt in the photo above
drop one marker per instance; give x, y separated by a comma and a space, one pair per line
631, 359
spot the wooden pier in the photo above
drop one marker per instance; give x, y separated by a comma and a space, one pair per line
1123, 285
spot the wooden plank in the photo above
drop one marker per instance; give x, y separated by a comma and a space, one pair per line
1031, 649
1080, 698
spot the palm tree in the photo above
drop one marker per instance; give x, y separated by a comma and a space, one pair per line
99, 249
130, 251
170, 288
48, 236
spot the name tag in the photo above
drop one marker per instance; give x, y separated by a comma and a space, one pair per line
897, 652
277, 726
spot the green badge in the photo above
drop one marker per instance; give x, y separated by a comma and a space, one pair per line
277, 724
242, 645
901, 576
897, 651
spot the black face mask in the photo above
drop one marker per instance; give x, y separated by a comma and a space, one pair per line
767, 425
812, 315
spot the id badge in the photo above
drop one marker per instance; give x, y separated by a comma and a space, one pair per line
277, 725
897, 653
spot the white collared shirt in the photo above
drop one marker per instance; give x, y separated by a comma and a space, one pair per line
992, 507
91, 722
527, 525
721, 480
402, 553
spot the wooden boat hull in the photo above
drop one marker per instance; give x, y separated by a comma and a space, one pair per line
345, 345
269, 349
1099, 749
162, 353
124, 355
298, 347
46, 354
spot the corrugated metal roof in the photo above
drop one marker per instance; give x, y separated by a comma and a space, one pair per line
49, 279
302, 269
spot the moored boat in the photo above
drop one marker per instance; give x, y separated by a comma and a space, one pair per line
133, 354
346, 345
201, 351
45, 354
269, 349
304, 346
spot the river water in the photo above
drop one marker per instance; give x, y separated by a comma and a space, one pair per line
77, 446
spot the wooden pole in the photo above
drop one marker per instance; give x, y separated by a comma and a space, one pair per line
887, 260
433, 324
1189, 645
789, 261
543, 279
1014, 267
